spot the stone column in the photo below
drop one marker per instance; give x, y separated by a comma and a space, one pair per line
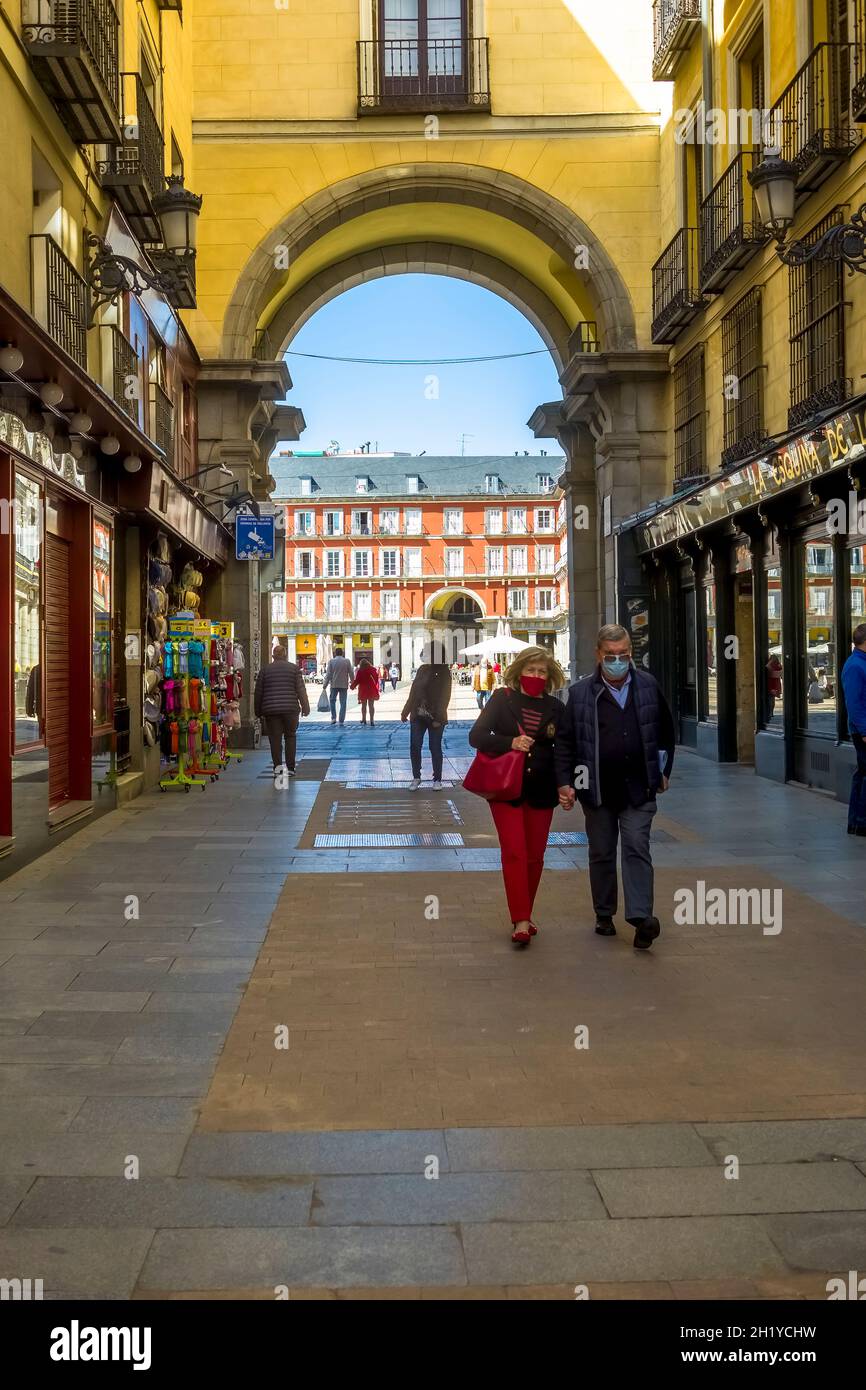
621, 397
579, 486
239, 421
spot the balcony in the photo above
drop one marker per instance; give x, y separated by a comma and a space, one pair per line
677, 298
810, 122
675, 24
730, 230
123, 374
161, 421
437, 75
133, 170
61, 298
583, 338
73, 48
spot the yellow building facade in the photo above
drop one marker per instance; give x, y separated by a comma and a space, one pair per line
753, 574
513, 145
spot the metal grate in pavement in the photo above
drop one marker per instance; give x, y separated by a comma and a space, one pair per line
429, 840
407, 810
369, 784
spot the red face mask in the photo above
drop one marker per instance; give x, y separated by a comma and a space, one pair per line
533, 685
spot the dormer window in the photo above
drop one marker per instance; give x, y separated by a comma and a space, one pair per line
491, 482
306, 487
362, 483
545, 482
413, 482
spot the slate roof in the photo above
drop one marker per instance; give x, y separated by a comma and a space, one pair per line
439, 476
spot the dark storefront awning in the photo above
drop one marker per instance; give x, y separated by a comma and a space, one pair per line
836, 443
157, 494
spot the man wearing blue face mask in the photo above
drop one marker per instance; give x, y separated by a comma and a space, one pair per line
622, 747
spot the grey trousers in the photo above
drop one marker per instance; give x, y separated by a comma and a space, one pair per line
603, 828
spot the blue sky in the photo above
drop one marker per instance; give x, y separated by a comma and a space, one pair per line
421, 316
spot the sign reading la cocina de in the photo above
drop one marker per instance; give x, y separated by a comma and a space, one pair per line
816, 451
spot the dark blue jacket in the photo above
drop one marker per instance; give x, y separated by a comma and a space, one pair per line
854, 685
581, 718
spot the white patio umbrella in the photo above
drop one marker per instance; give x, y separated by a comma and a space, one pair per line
496, 646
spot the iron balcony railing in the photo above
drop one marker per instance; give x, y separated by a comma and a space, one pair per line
811, 122
161, 421
61, 297
134, 170
675, 24
416, 75
124, 377
676, 286
73, 46
731, 231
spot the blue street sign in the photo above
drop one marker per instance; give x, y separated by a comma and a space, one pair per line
254, 538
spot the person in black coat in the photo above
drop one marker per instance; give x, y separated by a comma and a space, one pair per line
427, 708
525, 715
621, 745
281, 697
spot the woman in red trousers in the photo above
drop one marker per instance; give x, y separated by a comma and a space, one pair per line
525, 715
366, 682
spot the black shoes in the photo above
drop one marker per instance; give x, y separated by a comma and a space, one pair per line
646, 933
604, 926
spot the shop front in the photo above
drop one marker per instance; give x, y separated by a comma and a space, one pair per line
57, 592
176, 561
741, 596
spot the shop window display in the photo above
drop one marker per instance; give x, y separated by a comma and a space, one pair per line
774, 665
857, 570
687, 653
819, 648
102, 705
712, 651
29, 683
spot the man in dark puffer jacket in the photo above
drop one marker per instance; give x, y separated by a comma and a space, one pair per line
281, 696
622, 747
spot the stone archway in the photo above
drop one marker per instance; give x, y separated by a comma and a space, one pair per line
549, 221
423, 258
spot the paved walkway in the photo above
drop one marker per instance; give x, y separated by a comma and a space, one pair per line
223, 1074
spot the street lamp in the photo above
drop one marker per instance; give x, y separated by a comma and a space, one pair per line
774, 184
110, 274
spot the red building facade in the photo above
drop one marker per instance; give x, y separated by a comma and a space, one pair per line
384, 552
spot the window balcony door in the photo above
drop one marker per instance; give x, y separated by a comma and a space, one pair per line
424, 48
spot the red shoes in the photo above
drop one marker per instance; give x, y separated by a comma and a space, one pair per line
523, 938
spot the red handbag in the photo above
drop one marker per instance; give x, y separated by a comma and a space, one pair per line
496, 778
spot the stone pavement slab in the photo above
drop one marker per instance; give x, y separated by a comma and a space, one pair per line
795, 1141
829, 1241
271, 1155
92, 1154
218, 1259
771, 1187
456, 1197
164, 1202
697, 1247
577, 1146
75, 1264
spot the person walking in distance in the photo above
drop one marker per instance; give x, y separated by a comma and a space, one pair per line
366, 682
854, 686
621, 743
525, 715
394, 674
281, 698
338, 674
427, 708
